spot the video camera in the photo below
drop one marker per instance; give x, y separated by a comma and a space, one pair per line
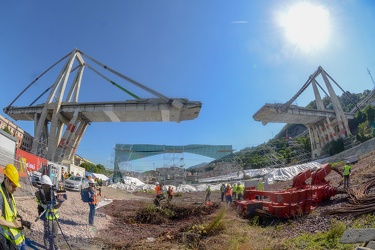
24, 223
62, 193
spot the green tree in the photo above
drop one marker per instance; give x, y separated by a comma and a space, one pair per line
334, 147
370, 115
88, 166
100, 169
305, 142
287, 154
364, 132
6, 129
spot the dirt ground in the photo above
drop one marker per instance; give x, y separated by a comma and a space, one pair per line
131, 222
116, 224
131, 234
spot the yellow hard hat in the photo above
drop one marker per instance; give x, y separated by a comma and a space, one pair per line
11, 173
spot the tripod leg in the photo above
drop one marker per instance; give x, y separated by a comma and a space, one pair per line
46, 234
49, 235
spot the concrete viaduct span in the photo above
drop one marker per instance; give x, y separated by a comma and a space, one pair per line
324, 125
60, 122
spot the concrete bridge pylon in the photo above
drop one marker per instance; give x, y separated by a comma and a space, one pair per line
61, 121
324, 124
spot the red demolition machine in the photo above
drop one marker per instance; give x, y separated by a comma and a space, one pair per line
298, 200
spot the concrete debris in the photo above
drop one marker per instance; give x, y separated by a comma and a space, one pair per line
351, 236
371, 245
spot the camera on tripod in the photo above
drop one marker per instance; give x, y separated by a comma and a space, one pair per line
24, 223
62, 193
50, 195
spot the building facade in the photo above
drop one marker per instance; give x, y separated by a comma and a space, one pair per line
78, 160
25, 140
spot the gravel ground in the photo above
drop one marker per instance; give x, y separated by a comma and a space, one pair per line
73, 220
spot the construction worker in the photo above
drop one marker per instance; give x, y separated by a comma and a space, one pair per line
170, 193
159, 194
240, 189
228, 194
92, 195
208, 193
11, 236
347, 171
222, 191
234, 188
260, 188
48, 204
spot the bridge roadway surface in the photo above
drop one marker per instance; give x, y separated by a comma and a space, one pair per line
293, 115
143, 110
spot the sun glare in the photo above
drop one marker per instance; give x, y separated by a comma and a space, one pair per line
306, 26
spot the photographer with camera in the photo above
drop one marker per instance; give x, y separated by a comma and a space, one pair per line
11, 236
48, 203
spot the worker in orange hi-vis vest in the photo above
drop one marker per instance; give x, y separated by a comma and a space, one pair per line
228, 194
94, 202
170, 193
159, 194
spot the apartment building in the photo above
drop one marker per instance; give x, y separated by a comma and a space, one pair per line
78, 160
25, 140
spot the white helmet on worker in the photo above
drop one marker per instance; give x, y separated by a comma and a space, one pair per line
156, 183
46, 180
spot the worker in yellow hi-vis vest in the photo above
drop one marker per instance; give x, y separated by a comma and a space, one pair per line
260, 188
11, 236
347, 171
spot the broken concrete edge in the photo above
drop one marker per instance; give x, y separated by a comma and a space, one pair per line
371, 245
351, 236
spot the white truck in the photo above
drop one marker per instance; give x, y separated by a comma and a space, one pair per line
53, 170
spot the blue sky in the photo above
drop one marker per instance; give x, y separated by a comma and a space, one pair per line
233, 56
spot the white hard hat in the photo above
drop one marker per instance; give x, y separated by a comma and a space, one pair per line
46, 180
156, 183
91, 181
